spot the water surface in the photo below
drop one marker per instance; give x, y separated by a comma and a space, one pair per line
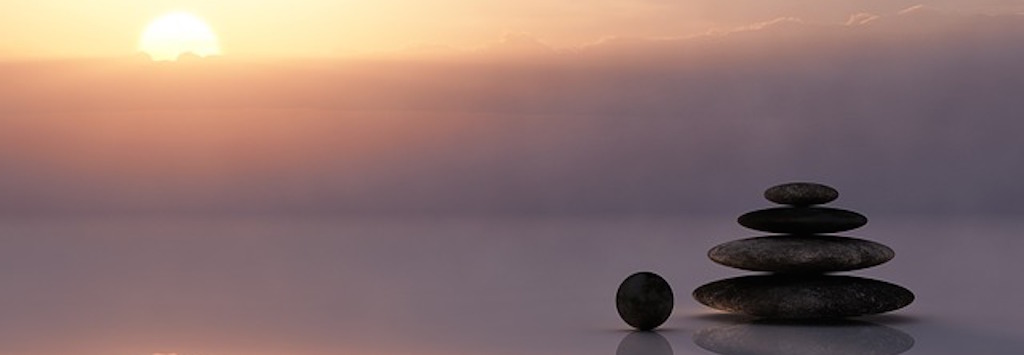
227, 286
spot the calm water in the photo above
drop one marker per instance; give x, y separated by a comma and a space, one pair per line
463, 286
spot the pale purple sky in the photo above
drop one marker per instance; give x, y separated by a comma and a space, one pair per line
895, 110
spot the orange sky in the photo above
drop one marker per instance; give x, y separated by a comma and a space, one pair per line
320, 28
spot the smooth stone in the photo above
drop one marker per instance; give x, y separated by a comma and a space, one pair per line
803, 220
801, 254
644, 343
801, 194
839, 337
644, 300
781, 296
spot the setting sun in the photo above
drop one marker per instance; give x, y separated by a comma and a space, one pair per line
177, 33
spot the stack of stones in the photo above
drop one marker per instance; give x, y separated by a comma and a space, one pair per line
799, 261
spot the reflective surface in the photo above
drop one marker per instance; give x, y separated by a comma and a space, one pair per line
465, 286
810, 338
644, 343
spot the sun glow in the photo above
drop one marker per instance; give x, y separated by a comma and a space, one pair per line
177, 33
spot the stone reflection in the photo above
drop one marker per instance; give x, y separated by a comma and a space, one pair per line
644, 343
839, 337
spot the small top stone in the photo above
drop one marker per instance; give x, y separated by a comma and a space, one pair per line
801, 194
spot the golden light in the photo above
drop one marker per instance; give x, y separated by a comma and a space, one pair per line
177, 33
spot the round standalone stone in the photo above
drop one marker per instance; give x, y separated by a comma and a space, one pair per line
801, 194
803, 296
803, 220
801, 254
834, 337
644, 300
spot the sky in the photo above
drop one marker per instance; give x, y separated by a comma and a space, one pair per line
301, 29
894, 109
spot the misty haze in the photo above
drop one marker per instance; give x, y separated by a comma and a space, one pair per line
906, 110
478, 193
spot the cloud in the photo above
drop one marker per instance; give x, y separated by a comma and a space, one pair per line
515, 45
428, 50
776, 23
511, 46
519, 45
861, 19
919, 10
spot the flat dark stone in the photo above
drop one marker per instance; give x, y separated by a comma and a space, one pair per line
840, 337
782, 296
801, 194
803, 220
801, 254
644, 300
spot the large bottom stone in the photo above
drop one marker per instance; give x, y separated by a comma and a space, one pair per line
841, 337
803, 296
